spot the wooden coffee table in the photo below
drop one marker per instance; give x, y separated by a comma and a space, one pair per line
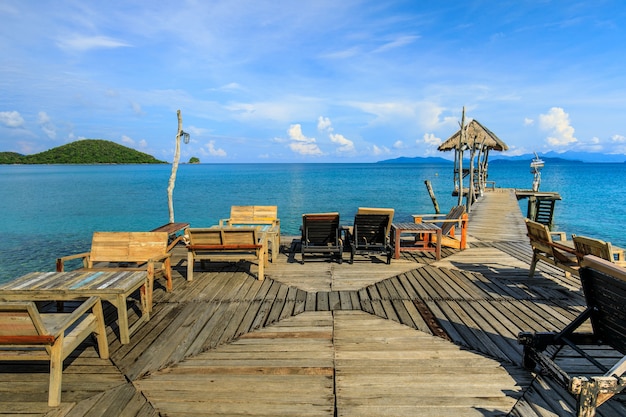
422, 242
111, 286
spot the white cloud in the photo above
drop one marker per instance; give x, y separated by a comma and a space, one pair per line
431, 139
213, 151
345, 145
528, 122
397, 43
11, 119
324, 125
618, 138
127, 140
380, 150
84, 43
557, 123
398, 144
301, 144
143, 143
46, 125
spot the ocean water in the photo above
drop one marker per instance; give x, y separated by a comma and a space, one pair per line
48, 211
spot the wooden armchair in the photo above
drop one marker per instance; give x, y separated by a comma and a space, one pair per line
545, 249
604, 250
26, 334
456, 217
604, 286
321, 234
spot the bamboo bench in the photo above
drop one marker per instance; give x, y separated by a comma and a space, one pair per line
129, 251
604, 286
26, 334
230, 244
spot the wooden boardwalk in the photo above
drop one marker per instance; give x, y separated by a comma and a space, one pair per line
418, 337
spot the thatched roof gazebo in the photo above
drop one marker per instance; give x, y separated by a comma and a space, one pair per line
478, 140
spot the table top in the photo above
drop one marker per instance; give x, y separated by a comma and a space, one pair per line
80, 282
415, 226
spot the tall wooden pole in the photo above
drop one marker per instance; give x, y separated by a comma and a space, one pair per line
460, 151
170, 186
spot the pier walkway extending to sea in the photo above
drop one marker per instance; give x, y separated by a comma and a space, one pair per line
418, 337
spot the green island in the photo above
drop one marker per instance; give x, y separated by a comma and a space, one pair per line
87, 151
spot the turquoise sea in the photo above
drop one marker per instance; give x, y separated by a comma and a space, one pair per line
48, 211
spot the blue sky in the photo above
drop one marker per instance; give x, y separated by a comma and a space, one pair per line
312, 81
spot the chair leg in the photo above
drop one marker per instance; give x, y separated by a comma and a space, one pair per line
56, 372
189, 266
101, 331
533, 265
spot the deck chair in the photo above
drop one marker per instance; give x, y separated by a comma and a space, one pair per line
321, 234
545, 249
604, 287
604, 250
456, 217
371, 232
26, 334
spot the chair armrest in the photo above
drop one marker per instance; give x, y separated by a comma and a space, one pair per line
429, 218
562, 247
560, 235
61, 261
159, 257
82, 309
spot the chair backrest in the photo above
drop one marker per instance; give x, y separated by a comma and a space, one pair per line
127, 246
222, 236
455, 213
375, 210
371, 229
320, 228
539, 236
604, 286
253, 214
590, 246
21, 324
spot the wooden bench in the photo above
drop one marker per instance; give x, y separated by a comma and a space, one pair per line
265, 216
26, 334
230, 244
130, 251
604, 286
547, 250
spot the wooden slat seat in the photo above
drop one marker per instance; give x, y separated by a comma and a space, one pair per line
26, 334
321, 234
266, 216
370, 234
230, 244
590, 246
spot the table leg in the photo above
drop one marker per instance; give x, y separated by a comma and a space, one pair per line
122, 318
397, 244
438, 246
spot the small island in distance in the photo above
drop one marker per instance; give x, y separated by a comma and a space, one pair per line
87, 151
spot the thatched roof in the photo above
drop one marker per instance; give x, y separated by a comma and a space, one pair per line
476, 133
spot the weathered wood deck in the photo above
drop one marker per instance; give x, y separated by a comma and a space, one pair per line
414, 338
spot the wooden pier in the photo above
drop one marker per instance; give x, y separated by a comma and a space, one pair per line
418, 337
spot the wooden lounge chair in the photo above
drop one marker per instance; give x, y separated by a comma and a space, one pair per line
129, 251
26, 334
590, 246
545, 249
264, 216
230, 244
371, 232
456, 217
321, 234
604, 286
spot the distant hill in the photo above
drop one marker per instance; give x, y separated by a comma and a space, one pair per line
416, 160
563, 157
87, 151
